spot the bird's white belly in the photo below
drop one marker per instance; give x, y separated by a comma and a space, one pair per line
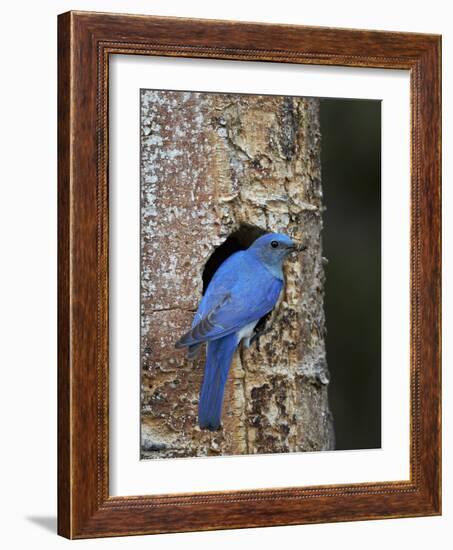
246, 333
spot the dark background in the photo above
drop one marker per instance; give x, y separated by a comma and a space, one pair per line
351, 178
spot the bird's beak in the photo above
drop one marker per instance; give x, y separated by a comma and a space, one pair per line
297, 248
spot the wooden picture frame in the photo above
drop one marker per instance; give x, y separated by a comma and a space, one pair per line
85, 42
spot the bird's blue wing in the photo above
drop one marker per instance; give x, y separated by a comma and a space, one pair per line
241, 291
223, 280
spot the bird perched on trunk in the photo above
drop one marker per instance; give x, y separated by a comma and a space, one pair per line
244, 289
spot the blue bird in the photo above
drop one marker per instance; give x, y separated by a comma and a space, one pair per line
244, 289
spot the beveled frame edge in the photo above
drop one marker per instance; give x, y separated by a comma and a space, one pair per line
85, 42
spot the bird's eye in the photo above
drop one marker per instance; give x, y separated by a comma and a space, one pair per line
274, 244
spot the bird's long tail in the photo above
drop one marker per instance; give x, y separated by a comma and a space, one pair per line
218, 360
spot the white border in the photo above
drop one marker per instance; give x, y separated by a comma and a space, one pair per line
129, 475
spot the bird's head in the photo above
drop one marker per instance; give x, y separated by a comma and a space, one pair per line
273, 248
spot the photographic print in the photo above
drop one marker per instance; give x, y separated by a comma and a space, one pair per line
221, 215
260, 274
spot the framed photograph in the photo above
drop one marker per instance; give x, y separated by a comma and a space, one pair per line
249, 275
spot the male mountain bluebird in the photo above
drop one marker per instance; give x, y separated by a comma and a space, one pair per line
243, 289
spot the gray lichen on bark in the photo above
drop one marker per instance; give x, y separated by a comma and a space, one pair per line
209, 163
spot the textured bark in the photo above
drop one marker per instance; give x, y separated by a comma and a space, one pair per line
209, 163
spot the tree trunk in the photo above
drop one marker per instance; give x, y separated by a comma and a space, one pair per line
209, 163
